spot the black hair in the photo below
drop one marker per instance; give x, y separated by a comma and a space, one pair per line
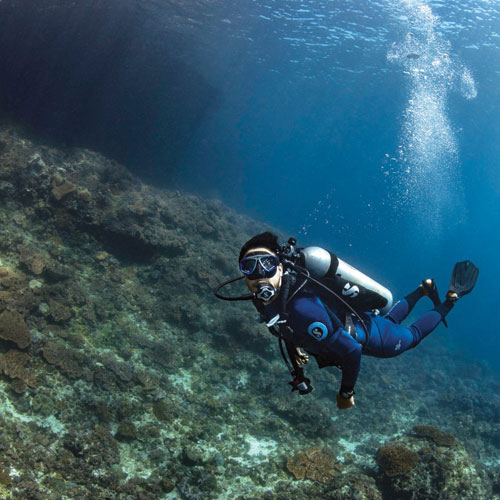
264, 240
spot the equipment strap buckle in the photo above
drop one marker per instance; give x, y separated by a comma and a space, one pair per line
273, 321
349, 326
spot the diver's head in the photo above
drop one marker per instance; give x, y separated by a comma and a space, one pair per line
260, 264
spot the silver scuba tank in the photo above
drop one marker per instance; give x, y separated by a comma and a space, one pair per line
357, 289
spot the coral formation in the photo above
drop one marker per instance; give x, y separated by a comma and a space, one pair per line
13, 364
62, 187
438, 436
56, 353
409, 468
396, 460
14, 328
315, 463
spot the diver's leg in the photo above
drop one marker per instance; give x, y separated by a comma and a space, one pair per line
391, 339
426, 324
445, 307
403, 307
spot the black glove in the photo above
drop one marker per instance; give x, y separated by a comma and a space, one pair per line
301, 384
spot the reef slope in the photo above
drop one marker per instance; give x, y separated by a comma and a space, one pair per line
123, 377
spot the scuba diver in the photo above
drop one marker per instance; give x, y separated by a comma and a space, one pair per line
311, 300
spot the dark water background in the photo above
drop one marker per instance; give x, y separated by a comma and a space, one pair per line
369, 128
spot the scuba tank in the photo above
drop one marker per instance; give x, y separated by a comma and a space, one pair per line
360, 291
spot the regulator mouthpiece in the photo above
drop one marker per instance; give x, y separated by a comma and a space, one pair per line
265, 292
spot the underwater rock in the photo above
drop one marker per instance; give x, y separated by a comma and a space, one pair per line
19, 386
149, 379
166, 484
124, 371
245, 332
129, 238
163, 354
5, 478
352, 486
126, 431
126, 409
315, 464
43, 403
58, 312
104, 412
194, 455
16, 294
57, 272
495, 474
14, 329
198, 483
101, 449
164, 411
33, 260
309, 418
104, 378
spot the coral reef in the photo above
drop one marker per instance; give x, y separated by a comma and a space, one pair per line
121, 376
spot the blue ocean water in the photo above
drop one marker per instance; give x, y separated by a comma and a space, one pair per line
366, 127
369, 128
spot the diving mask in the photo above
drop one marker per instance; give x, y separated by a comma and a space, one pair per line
259, 265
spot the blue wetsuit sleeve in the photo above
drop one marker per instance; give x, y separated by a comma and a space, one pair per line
349, 352
316, 332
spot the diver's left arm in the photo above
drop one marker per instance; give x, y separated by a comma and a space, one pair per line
323, 333
301, 357
349, 353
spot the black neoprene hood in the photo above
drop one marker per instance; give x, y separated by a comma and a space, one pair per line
263, 240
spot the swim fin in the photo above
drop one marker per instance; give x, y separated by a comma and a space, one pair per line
430, 290
463, 279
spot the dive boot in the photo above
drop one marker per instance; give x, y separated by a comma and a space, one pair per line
429, 288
